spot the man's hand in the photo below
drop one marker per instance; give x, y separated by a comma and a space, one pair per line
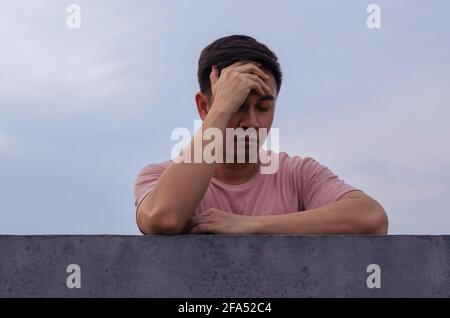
215, 221
231, 87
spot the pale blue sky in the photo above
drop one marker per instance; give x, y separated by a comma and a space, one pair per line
82, 111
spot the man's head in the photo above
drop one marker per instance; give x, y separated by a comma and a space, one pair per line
228, 50
257, 111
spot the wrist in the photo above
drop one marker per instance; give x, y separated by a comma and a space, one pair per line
254, 225
221, 109
216, 119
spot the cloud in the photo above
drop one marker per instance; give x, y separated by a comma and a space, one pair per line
104, 67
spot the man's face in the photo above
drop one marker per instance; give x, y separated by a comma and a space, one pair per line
256, 112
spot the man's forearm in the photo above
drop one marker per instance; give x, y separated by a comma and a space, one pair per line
180, 188
341, 217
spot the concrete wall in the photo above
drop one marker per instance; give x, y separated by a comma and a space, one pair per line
224, 266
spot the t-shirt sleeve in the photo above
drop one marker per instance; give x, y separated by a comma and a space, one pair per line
146, 181
320, 186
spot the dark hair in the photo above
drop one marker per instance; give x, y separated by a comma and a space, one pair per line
228, 50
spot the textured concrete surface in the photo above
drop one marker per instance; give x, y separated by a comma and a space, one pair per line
224, 266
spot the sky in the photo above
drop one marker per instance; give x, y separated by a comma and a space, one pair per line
82, 111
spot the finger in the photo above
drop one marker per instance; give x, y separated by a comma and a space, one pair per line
192, 223
210, 211
186, 229
256, 86
236, 65
260, 81
193, 230
201, 229
214, 76
253, 69
196, 220
189, 225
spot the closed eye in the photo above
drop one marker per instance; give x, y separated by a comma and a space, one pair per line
264, 108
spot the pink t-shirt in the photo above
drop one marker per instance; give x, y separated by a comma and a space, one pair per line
298, 185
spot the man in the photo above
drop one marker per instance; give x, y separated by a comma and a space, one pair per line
240, 79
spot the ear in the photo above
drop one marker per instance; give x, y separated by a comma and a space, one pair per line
203, 106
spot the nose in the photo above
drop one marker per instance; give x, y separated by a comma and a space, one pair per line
249, 118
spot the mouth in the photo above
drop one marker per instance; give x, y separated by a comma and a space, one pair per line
247, 142
250, 142
247, 139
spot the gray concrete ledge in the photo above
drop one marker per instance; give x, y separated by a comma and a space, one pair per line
224, 266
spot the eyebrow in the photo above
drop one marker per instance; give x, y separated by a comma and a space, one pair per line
267, 97
262, 98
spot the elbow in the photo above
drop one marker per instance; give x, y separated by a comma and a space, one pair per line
377, 219
157, 222
383, 223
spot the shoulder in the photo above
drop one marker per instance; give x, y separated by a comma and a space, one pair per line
155, 166
153, 169
291, 163
147, 179
297, 165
